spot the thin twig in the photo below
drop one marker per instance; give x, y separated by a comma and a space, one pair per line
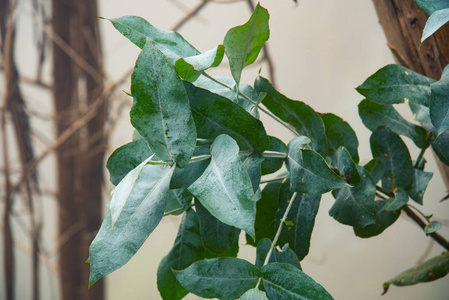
189, 16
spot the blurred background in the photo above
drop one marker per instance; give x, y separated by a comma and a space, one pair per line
67, 73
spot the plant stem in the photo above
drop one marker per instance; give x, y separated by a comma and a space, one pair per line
419, 212
273, 179
199, 158
173, 211
266, 154
420, 156
278, 233
254, 102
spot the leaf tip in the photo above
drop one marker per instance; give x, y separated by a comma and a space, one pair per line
386, 286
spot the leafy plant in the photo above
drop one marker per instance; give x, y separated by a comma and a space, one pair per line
200, 151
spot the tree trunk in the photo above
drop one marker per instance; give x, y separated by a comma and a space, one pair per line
403, 23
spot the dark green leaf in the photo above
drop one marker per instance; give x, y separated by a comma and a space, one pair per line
430, 6
285, 256
225, 188
216, 236
421, 114
430, 270
126, 158
161, 111
113, 247
346, 166
186, 250
252, 164
354, 206
137, 30
441, 147
420, 181
436, 20
254, 294
302, 214
187, 175
283, 281
384, 219
399, 200
190, 68
389, 148
309, 171
298, 114
178, 201
395, 84
375, 115
232, 252
375, 168
271, 165
212, 112
439, 102
339, 133
223, 278
243, 43
432, 227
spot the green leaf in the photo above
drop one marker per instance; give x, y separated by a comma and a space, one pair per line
186, 250
225, 188
212, 112
309, 171
302, 214
432, 227
126, 158
138, 30
231, 252
441, 147
254, 294
285, 256
375, 168
375, 115
298, 114
439, 102
430, 6
283, 281
243, 43
436, 20
161, 111
113, 247
223, 278
271, 165
346, 166
389, 148
395, 84
384, 219
399, 200
186, 176
190, 68
216, 236
421, 114
252, 164
420, 181
178, 201
430, 270
354, 206
340, 133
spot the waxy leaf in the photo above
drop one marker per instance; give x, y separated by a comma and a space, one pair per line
340, 133
186, 176
354, 206
161, 111
432, 227
346, 166
421, 114
178, 201
223, 278
217, 237
375, 115
420, 181
285, 256
375, 168
436, 20
431, 6
283, 281
186, 250
399, 200
190, 68
395, 84
225, 188
126, 158
296, 113
254, 294
388, 147
302, 214
309, 171
439, 102
430, 270
384, 219
243, 43
271, 164
252, 164
113, 247
138, 30
441, 147
212, 112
